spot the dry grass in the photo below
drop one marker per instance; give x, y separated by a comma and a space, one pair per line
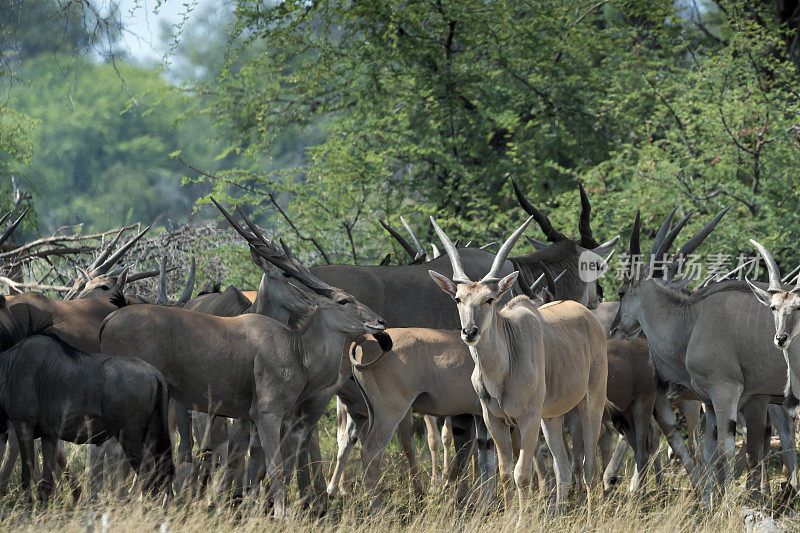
669, 508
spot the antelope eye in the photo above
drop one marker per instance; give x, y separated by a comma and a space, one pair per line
773, 308
489, 301
342, 302
458, 300
621, 293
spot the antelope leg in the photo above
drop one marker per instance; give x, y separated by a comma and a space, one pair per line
405, 434
434, 439
611, 473
501, 434
554, 435
348, 429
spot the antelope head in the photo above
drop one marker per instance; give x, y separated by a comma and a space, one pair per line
102, 286
592, 255
657, 269
477, 301
298, 291
784, 304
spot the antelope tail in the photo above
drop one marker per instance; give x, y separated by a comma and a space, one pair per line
618, 418
370, 409
363, 366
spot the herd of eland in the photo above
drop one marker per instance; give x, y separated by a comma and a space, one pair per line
487, 347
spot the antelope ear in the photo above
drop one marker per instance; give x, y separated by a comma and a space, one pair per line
763, 296
299, 322
384, 341
506, 283
444, 283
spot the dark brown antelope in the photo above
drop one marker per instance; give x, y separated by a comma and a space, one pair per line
564, 253
531, 365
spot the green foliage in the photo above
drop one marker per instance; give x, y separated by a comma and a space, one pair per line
103, 144
29, 28
425, 107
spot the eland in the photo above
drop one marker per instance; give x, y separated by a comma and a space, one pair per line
532, 366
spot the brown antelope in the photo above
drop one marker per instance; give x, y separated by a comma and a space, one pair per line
531, 365
564, 253
251, 366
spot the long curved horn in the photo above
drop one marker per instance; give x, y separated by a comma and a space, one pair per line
635, 249
669, 239
790, 276
399, 238
547, 228
7, 233
502, 254
534, 288
666, 244
147, 274
187, 291
287, 262
735, 270
537, 245
692, 244
417, 243
585, 222
267, 249
772, 268
662, 231
452, 252
5, 217
163, 299
551, 283
527, 290
106, 250
111, 261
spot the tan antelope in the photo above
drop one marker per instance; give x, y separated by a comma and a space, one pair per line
427, 370
785, 306
531, 365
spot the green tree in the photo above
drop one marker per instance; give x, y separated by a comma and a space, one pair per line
428, 106
104, 142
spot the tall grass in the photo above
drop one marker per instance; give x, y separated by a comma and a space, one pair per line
670, 507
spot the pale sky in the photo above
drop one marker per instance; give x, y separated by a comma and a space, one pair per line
143, 20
